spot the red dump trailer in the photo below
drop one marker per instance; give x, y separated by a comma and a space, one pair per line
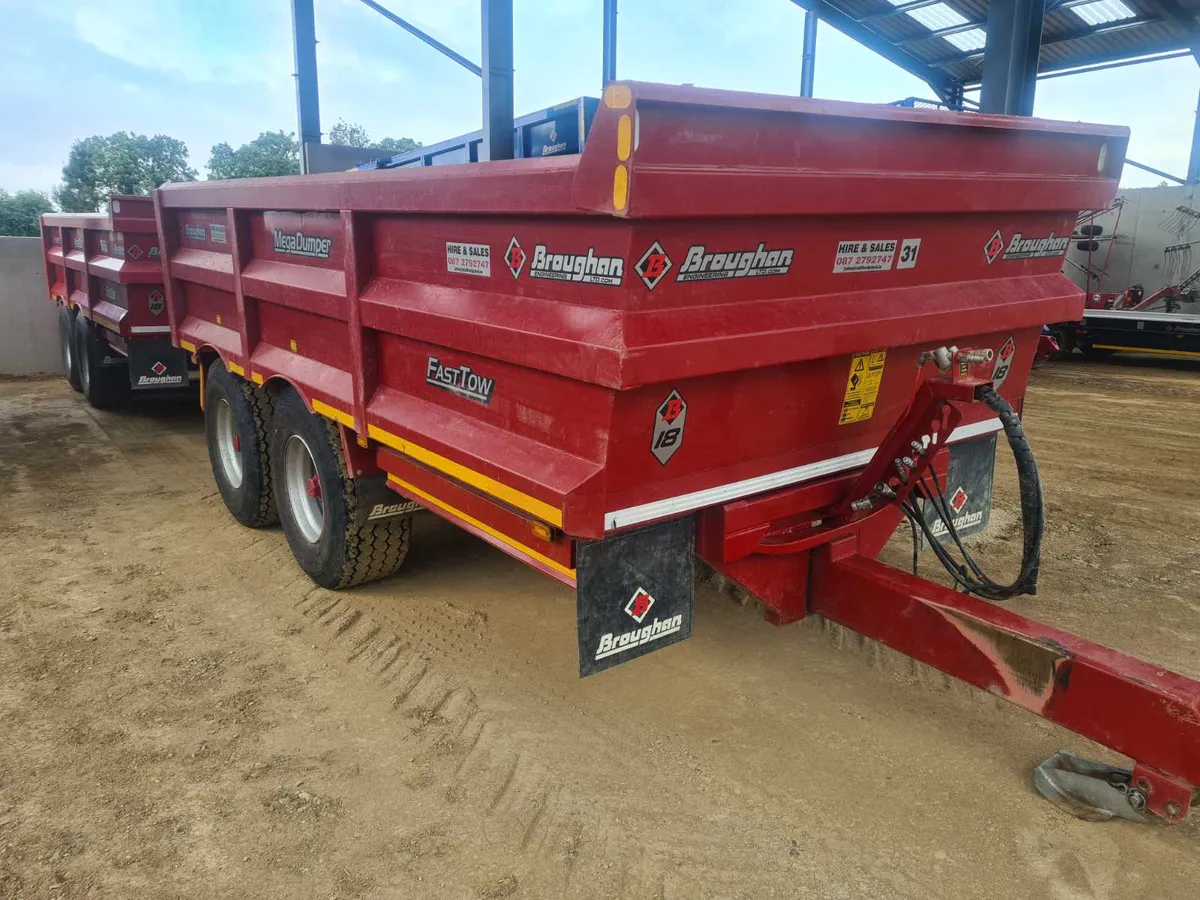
742, 327
104, 273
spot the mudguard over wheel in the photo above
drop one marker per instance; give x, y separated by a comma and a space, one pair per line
318, 503
237, 416
103, 384
66, 337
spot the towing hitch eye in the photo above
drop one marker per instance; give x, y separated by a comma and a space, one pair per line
1096, 792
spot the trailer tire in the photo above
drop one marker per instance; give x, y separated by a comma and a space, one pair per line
318, 503
237, 419
103, 386
66, 336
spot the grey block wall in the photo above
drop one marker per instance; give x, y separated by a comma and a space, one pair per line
28, 320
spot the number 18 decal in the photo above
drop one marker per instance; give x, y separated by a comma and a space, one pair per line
669, 420
909, 249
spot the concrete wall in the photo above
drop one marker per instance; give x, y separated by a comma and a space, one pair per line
28, 320
1149, 223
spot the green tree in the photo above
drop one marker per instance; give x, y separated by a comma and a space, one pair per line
348, 134
351, 134
121, 163
19, 212
399, 145
271, 153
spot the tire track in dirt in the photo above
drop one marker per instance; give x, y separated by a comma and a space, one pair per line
497, 732
479, 762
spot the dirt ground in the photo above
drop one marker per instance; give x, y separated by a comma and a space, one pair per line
183, 715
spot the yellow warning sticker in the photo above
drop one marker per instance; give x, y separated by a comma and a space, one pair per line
862, 387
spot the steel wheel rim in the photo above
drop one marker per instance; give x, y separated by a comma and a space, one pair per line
227, 448
299, 470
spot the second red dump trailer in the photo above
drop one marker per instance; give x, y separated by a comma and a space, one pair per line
104, 274
736, 326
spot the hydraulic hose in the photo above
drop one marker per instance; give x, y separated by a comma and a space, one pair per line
967, 573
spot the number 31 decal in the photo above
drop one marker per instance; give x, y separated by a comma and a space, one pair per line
909, 249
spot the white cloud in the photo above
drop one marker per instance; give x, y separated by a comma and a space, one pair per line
174, 36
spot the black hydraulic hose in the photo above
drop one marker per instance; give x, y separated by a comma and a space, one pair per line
1033, 501
968, 574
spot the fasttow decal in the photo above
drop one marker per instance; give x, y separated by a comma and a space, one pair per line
460, 380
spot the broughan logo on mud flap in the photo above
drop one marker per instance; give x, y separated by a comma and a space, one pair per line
301, 244
579, 268
388, 510
1022, 247
960, 523
700, 265
461, 380
612, 644
159, 377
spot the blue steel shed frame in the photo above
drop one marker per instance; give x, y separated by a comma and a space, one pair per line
1023, 41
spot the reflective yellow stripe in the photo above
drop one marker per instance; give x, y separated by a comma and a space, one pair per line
256, 377
511, 496
1147, 350
202, 387
188, 346
487, 529
235, 369
330, 412
620, 188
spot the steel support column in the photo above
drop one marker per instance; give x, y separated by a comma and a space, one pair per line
304, 48
497, 80
1193, 171
610, 42
1010, 61
808, 58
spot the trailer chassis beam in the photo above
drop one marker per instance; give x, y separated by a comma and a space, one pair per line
1138, 709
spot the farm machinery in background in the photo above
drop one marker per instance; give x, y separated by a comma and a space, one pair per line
1141, 286
104, 274
756, 330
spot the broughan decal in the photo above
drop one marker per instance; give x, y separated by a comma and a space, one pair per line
701, 265
580, 268
1022, 247
611, 644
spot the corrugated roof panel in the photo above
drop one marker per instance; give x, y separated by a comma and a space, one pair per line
974, 39
937, 16
1102, 11
1066, 41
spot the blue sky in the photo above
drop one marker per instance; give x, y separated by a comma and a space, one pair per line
207, 71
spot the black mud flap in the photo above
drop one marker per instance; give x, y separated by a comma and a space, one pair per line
156, 364
634, 593
968, 485
376, 501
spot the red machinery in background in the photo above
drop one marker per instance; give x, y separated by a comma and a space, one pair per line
104, 274
1165, 323
743, 327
